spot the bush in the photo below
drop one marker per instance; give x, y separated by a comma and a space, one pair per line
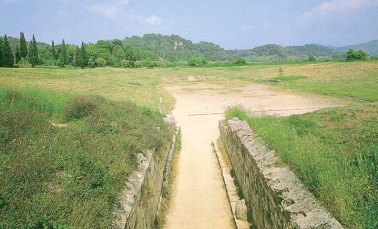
91, 63
101, 62
197, 61
138, 64
356, 55
79, 107
311, 58
240, 61
150, 64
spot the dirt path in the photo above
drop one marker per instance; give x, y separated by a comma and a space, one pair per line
199, 199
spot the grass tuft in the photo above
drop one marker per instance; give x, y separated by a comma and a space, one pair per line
80, 107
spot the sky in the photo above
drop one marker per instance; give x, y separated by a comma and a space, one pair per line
238, 24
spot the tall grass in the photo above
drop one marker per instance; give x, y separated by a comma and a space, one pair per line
335, 154
49, 102
72, 176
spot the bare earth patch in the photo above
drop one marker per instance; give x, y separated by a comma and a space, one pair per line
199, 199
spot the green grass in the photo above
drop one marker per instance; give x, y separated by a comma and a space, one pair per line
339, 79
289, 78
136, 85
335, 154
97, 126
72, 176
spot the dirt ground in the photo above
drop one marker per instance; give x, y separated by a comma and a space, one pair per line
199, 199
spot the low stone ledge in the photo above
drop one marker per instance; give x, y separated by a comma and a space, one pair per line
142, 194
274, 196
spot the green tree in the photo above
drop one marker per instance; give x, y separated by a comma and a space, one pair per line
53, 51
356, 55
63, 55
92, 63
75, 57
311, 58
8, 58
101, 62
1, 53
82, 59
18, 54
33, 52
23, 46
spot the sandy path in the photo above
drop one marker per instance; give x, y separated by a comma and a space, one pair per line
199, 199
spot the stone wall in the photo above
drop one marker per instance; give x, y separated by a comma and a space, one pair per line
142, 194
274, 196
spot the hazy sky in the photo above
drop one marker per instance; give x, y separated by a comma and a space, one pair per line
237, 24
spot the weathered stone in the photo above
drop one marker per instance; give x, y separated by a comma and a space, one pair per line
142, 193
241, 210
275, 198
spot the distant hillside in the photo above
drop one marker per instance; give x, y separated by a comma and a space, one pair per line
314, 50
156, 47
176, 48
370, 47
274, 52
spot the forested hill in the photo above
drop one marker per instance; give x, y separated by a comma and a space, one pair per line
176, 48
274, 52
153, 50
370, 47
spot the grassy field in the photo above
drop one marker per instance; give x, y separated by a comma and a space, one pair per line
138, 85
339, 79
335, 150
69, 175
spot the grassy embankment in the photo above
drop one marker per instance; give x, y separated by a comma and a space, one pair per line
71, 176
333, 151
356, 79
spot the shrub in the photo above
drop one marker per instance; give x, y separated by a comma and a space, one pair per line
125, 63
311, 58
79, 107
91, 63
197, 61
240, 61
101, 62
138, 64
356, 55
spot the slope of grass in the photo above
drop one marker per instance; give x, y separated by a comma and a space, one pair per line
335, 154
136, 85
70, 176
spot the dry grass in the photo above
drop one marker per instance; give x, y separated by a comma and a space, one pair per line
139, 86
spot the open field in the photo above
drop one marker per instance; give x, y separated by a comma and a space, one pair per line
345, 138
140, 86
339, 79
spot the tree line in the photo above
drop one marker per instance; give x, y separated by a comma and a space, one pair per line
115, 53
152, 50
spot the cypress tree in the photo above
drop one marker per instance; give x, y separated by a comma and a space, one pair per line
82, 58
1, 53
18, 54
23, 47
33, 52
76, 57
63, 55
53, 51
8, 58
